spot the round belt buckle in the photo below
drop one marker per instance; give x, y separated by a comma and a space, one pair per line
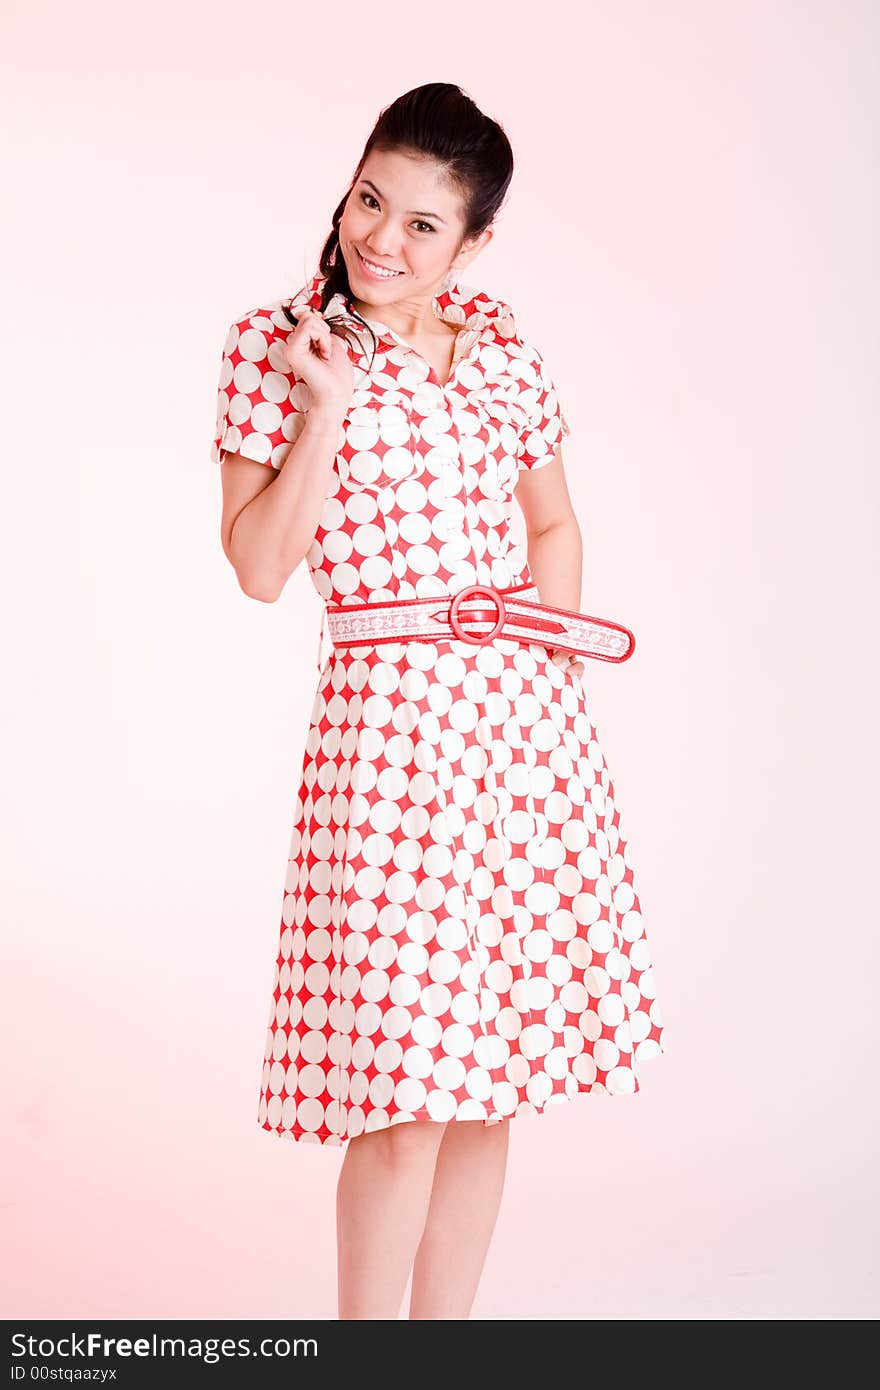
478, 639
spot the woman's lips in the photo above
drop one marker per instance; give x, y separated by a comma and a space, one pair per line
374, 275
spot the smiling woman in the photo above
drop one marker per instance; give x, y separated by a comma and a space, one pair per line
461, 940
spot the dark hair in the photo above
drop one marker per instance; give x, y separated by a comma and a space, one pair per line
437, 121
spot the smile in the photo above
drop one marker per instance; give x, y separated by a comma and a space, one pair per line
377, 272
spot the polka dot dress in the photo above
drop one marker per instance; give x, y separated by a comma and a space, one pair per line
461, 936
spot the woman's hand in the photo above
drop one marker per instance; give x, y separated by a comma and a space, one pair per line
321, 359
567, 661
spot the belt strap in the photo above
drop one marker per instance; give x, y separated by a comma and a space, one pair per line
478, 614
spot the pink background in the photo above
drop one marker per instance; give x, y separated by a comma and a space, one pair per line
698, 184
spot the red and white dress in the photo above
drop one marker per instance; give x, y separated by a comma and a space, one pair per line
461, 936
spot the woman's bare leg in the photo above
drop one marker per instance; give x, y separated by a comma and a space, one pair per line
382, 1199
466, 1195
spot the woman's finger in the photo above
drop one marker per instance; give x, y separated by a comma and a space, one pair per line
318, 330
313, 332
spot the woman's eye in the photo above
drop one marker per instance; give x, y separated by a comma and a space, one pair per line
419, 223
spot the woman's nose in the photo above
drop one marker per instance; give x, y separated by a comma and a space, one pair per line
385, 244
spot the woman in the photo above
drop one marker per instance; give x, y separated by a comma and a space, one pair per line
461, 939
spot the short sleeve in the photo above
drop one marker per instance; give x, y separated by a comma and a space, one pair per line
261, 403
547, 426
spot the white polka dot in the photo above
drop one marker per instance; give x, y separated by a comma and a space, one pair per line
388, 1055
435, 1000
410, 1094
440, 1105
313, 1047
601, 936
458, 1040
449, 1073
606, 1054
374, 985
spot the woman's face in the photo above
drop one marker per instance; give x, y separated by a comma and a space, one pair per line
403, 216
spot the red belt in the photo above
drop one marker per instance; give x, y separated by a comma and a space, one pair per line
509, 614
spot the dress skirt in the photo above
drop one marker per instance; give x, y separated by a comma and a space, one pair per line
461, 933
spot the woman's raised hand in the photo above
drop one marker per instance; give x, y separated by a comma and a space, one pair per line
321, 359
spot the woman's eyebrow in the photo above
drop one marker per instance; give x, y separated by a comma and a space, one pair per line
412, 212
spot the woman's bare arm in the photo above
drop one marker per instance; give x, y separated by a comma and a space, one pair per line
270, 517
555, 547
554, 536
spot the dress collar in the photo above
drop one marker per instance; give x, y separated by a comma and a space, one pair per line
458, 304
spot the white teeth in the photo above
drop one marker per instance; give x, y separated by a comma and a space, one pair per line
378, 269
